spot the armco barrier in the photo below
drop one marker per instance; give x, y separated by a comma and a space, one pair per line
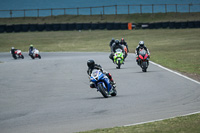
177, 25
56, 27
97, 26
9, 28
86, 26
165, 25
25, 27
72, 26
191, 24
197, 24
184, 25
63, 27
41, 27
17, 28
124, 26
33, 27
2, 28
171, 25
94, 26
102, 26
117, 26
48, 27
151, 25
109, 26
79, 26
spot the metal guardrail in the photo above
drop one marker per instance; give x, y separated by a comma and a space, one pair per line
115, 10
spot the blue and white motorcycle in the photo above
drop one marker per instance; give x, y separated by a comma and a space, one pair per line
102, 83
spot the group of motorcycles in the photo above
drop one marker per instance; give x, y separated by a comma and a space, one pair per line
98, 78
18, 54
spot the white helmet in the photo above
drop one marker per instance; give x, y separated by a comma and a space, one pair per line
12, 48
141, 43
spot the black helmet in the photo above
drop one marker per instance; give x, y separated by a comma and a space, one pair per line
117, 42
90, 63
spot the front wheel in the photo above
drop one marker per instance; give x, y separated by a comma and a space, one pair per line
144, 66
39, 56
14, 56
114, 92
22, 56
102, 90
118, 64
32, 57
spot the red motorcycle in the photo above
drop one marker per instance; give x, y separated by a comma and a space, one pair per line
143, 59
17, 54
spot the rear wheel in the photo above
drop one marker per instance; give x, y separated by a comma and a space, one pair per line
118, 64
103, 91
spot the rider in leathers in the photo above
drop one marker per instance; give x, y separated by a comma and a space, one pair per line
115, 46
91, 66
141, 46
12, 51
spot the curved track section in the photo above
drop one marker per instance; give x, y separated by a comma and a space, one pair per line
53, 95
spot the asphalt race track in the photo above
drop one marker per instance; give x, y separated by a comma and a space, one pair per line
52, 94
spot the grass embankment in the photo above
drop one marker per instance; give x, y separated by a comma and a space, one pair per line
133, 18
177, 49
186, 124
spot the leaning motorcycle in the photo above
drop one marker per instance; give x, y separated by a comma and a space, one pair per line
35, 54
102, 83
118, 58
17, 54
143, 59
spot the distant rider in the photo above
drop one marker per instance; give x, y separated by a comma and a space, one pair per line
12, 51
123, 43
141, 46
115, 46
31, 48
91, 66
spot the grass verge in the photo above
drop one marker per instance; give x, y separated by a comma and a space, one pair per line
185, 124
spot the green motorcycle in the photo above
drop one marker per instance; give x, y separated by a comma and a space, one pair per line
118, 58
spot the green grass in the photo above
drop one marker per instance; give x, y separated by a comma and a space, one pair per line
133, 18
186, 124
177, 49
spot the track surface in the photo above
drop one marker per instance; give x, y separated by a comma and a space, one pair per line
52, 95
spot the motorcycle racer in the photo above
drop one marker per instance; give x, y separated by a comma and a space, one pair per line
12, 51
141, 46
115, 46
91, 66
31, 48
123, 42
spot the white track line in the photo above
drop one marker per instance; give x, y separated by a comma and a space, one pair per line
175, 72
169, 117
160, 119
